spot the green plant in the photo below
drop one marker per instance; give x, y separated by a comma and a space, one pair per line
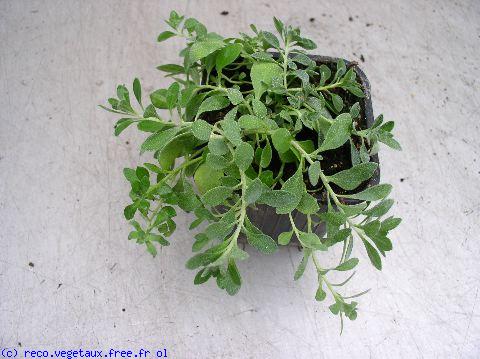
235, 114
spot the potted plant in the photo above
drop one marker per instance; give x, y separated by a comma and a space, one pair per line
259, 140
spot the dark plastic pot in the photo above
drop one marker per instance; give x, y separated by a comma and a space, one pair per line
265, 217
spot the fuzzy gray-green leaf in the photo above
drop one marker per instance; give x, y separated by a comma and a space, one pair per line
338, 133
373, 193
159, 140
281, 139
314, 173
235, 96
216, 195
353, 177
201, 129
213, 103
243, 156
201, 49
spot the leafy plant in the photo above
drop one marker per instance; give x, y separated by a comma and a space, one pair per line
251, 119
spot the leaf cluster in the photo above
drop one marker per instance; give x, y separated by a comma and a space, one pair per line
229, 133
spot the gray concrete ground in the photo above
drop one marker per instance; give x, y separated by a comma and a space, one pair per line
62, 190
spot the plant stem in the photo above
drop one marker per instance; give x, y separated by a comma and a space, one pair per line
315, 261
174, 172
330, 191
285, 63
324, 278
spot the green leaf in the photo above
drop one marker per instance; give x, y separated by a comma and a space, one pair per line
129, 211
303, 76
267, 178
373, 255
216, 162
355, 110
325, 73
206, 178
380, 209
159, 99
174, 19
227, 283
308, 204
202, 49
259, 108
281, 139
314, 173
227, 55
213, 103
137, 90
219, 230
200, 278
373, 193
201, 241
337, 102
122, 93
271, 39
231, 115
371, 228
251, 122
172, 95
340, 236
285, 238
387, 138
390, 223
233, 271
158, 238
150, 125
296, 187
353, 177
303, 264
312, 241
278, 25
217, 146
355, 90
338, 133
151, 248
239, 254
235, 96
165, 36
262, 56
382, 242
254, 190
159, 140
201, 129
130, 175
347, 265
216, 195
262, 74
231, 130
261, 242
278, 198
307, 44
173, 69
303, 59
205, 258
193, 25
122, 124
266, 157
353, 210
320, 295
243, 156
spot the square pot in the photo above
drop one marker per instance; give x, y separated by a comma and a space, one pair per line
265, 217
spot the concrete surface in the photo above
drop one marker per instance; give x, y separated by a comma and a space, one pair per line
62, 191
